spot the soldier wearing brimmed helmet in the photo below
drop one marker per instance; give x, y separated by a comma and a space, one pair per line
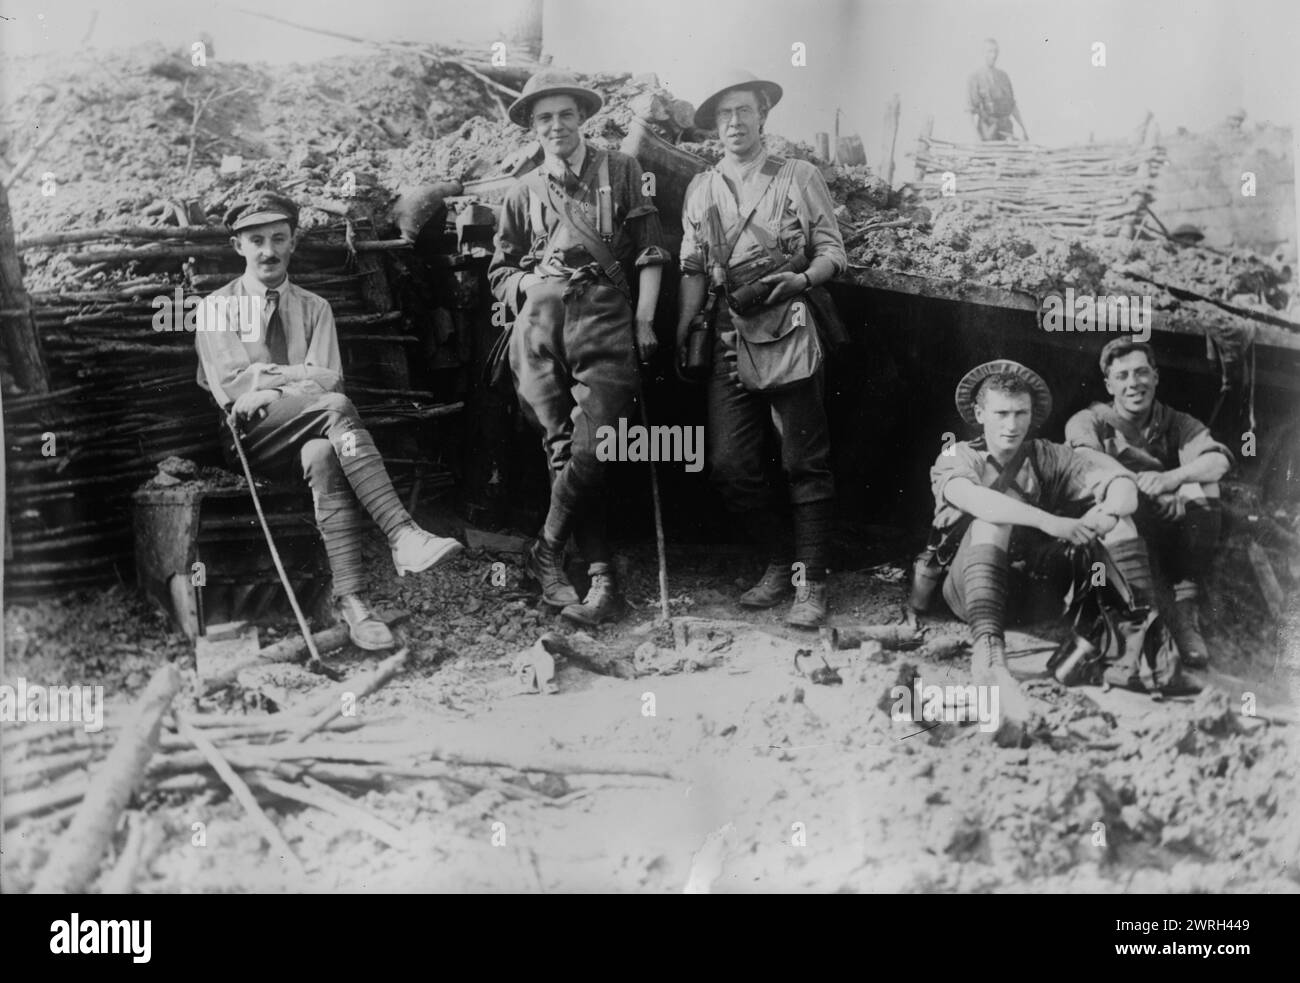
764, 228
578, 245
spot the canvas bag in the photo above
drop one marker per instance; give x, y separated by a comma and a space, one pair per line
1114, 641
770, 355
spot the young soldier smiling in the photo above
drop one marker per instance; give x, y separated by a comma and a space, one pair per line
1178, 465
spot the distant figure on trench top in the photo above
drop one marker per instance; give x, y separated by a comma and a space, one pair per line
991, 101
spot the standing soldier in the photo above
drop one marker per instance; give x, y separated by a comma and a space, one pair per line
283, 381
1178, 464
572, 235
763, 230
990, 99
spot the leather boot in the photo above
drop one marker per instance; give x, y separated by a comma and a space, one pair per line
545, 564
415, 550
809, 607
366, 631
771, 590
601, 604
1187, 634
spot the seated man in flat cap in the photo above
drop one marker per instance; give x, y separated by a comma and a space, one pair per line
1178, 465
283, 380
1003, 486
573, 235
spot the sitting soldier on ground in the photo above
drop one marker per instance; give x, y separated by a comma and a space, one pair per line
1008, 496
1178, 465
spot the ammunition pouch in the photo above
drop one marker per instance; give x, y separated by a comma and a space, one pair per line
751, 292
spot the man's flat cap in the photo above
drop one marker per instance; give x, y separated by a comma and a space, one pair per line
262, 209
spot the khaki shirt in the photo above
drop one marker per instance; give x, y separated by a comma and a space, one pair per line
1056, 480
802, 222
532, 239
1169, 440
989, 93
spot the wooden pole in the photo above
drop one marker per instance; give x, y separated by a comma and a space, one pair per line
50, 129
923, 148
81, 849
525, 28
20, 336
891, 139
270, 832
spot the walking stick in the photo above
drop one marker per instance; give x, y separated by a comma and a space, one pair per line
659, 515
314, 663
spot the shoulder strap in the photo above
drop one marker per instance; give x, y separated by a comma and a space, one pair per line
723, 249
535, 211
780, 191
945, 541
605, 204
1033, 463
1008, 474
562, 205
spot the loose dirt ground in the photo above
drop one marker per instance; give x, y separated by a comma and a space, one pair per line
779, 784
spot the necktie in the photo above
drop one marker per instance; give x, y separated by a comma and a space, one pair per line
275, 340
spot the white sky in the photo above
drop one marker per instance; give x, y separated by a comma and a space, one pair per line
1189, 62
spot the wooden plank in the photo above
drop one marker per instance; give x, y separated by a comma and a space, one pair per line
925, 286
920, 285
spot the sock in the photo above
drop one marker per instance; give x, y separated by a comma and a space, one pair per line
1194, 548
986, 584
1131, 560
365, 471
342, 526
812, 533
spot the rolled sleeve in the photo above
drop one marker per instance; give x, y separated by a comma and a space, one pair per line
1084, 431
1078, 476
641, 220
1194, 440
963, 462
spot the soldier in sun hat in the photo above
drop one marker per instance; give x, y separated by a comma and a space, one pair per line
578, 262
763, 229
